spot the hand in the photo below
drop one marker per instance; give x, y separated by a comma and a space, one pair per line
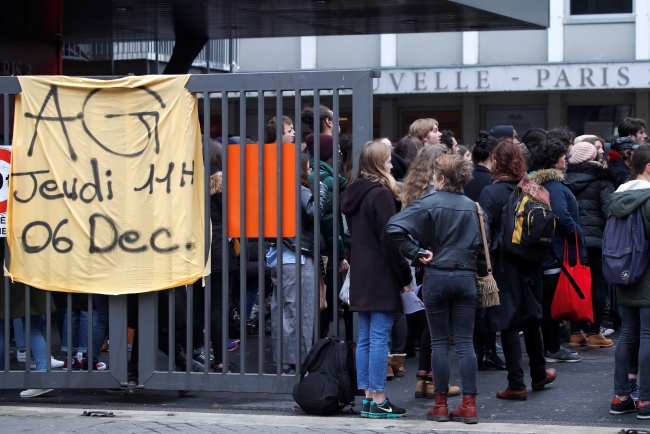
428, 258
409, 288
344, 266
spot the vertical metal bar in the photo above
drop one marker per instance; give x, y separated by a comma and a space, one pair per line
48, 332
117, 335
148, 334
171, 324
224, 234
28, 329
317, 216
243, 243
279, 290
207, 224
6, 246
68, 315
299, 306
189, 351
91, 365
261, 304
335, 211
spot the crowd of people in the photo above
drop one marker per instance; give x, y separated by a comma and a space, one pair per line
410, 218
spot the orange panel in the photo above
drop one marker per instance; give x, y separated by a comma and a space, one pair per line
269, 173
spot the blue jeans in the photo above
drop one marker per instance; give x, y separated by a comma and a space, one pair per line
636, 322
79, 331
372, 349
100, 326
450, 297
37, 341
19, 333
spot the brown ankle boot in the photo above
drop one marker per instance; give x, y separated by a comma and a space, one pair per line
397, 363
389, 370
466, 413
439, 412
421, 388
599, 341
578, 340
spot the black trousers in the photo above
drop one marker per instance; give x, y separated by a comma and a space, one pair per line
550, 327
512, 354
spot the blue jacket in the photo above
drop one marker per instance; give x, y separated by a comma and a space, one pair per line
567, 217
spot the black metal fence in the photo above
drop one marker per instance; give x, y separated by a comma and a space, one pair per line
158, 325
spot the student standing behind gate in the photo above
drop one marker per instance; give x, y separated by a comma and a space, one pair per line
634, 299
380, 273
287, 305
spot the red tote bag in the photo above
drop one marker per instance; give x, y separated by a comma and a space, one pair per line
574, 282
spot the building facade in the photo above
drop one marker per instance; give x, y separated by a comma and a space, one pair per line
588, 70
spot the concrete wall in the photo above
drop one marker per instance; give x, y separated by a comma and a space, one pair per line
269, 54
515, 46
345, 52
426, 49
599, 42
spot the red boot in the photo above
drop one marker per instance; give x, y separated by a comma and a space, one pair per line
466, 413
439, 412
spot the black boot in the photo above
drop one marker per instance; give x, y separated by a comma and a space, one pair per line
491, 360
181, 362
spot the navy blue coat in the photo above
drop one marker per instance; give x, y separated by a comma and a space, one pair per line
567, 217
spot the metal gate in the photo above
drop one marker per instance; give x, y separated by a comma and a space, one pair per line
158, 312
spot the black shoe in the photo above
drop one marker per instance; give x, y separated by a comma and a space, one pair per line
232, 368
491, 360
620, 407
252, 329
181, 363
385, 410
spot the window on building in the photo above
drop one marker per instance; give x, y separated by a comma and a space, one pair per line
600, 7
599, 120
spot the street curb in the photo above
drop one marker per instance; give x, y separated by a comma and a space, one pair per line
305, 421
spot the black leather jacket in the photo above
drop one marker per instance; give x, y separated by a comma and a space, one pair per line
444, 223
307, 219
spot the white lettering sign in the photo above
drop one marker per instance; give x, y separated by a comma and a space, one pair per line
513, 78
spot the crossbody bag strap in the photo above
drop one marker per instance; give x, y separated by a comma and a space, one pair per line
485, 243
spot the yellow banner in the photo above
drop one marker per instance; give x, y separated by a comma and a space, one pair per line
106, 186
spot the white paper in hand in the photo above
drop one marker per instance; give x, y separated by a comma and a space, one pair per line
411, 303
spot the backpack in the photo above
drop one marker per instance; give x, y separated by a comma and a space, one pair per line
625, 249
328, 378
527, 223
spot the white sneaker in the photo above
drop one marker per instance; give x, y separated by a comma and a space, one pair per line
31, 393
101, 366
605, 331
54, 362
21, 356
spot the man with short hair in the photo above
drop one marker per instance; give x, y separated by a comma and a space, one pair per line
634, 128
288, 132
426, 130
449, 141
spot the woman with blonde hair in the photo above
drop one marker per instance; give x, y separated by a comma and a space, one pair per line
419, 180
380, 273
442, 230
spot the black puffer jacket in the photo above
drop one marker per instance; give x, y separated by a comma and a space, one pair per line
592, 185
216, 215
447, 225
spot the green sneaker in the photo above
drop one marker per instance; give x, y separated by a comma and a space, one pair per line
365, 407
385, 410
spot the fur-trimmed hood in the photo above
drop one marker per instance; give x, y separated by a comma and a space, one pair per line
216, 183
579, 176
545, 175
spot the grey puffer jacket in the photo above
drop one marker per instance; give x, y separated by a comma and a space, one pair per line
307, 219
592, 185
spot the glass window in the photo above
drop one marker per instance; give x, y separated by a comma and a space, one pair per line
599, 7
599, 120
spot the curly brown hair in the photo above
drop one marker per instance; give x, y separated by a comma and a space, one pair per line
418, 178
509, 162
456, 170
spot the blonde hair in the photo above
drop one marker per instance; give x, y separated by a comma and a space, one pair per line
422, 127
455, 169
371, 165
418, 178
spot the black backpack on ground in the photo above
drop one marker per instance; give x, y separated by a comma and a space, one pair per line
328, 378
527, 226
